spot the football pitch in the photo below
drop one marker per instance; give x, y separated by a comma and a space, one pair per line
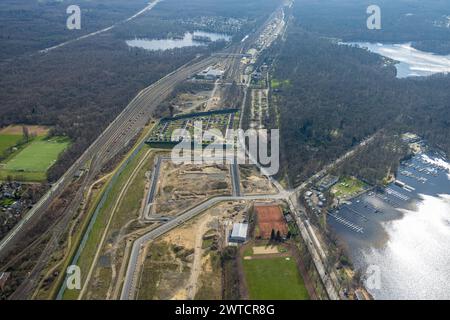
274, 278
32, 162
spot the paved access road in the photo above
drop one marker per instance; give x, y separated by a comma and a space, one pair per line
132, 275
113, 139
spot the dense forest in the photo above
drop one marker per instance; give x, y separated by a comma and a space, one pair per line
375, 162
175, 17
337, 95
424, 23
79, 88
28, 26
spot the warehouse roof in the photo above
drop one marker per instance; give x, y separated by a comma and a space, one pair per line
239, 230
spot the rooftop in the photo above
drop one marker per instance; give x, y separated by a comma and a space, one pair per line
239, 230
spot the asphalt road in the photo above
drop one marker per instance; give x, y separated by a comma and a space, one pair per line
235, 178
132, 274
314, 246
149, 215
113, 139
152, 191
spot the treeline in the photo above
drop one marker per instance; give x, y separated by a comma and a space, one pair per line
373, 163
338, 95
435, 46
79, 90
173, 18
28, 26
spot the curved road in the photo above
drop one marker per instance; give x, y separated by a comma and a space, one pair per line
131, 278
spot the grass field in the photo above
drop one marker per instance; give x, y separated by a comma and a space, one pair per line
274, 278
275, 83
95, 234
347, 187
8, 140
32, 162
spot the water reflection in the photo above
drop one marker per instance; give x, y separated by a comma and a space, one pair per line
197, 38
412, 62
406, 231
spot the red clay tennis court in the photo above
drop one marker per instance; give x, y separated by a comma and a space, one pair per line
269, 217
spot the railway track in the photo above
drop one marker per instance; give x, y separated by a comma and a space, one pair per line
119, 133
115, 137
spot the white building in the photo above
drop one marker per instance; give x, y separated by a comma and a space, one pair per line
214, 74
210, 74
239, 232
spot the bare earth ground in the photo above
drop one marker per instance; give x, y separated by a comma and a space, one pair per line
122, 217
18, 130
189, 260
265, 249
188, 102
253, 182
183, 186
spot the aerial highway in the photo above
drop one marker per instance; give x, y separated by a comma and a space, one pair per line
148, 213
137, 113
131, 279
124, 128
291, 196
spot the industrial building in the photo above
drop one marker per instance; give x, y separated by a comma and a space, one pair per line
239, 232
210, 74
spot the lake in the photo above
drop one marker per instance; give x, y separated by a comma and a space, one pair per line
405, 241
411, 62
188, 40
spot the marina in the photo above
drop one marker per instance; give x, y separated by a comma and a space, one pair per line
403, 229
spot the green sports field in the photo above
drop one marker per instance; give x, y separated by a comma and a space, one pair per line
274, 278
32, 162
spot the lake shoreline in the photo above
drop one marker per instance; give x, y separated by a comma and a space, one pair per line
410, 62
